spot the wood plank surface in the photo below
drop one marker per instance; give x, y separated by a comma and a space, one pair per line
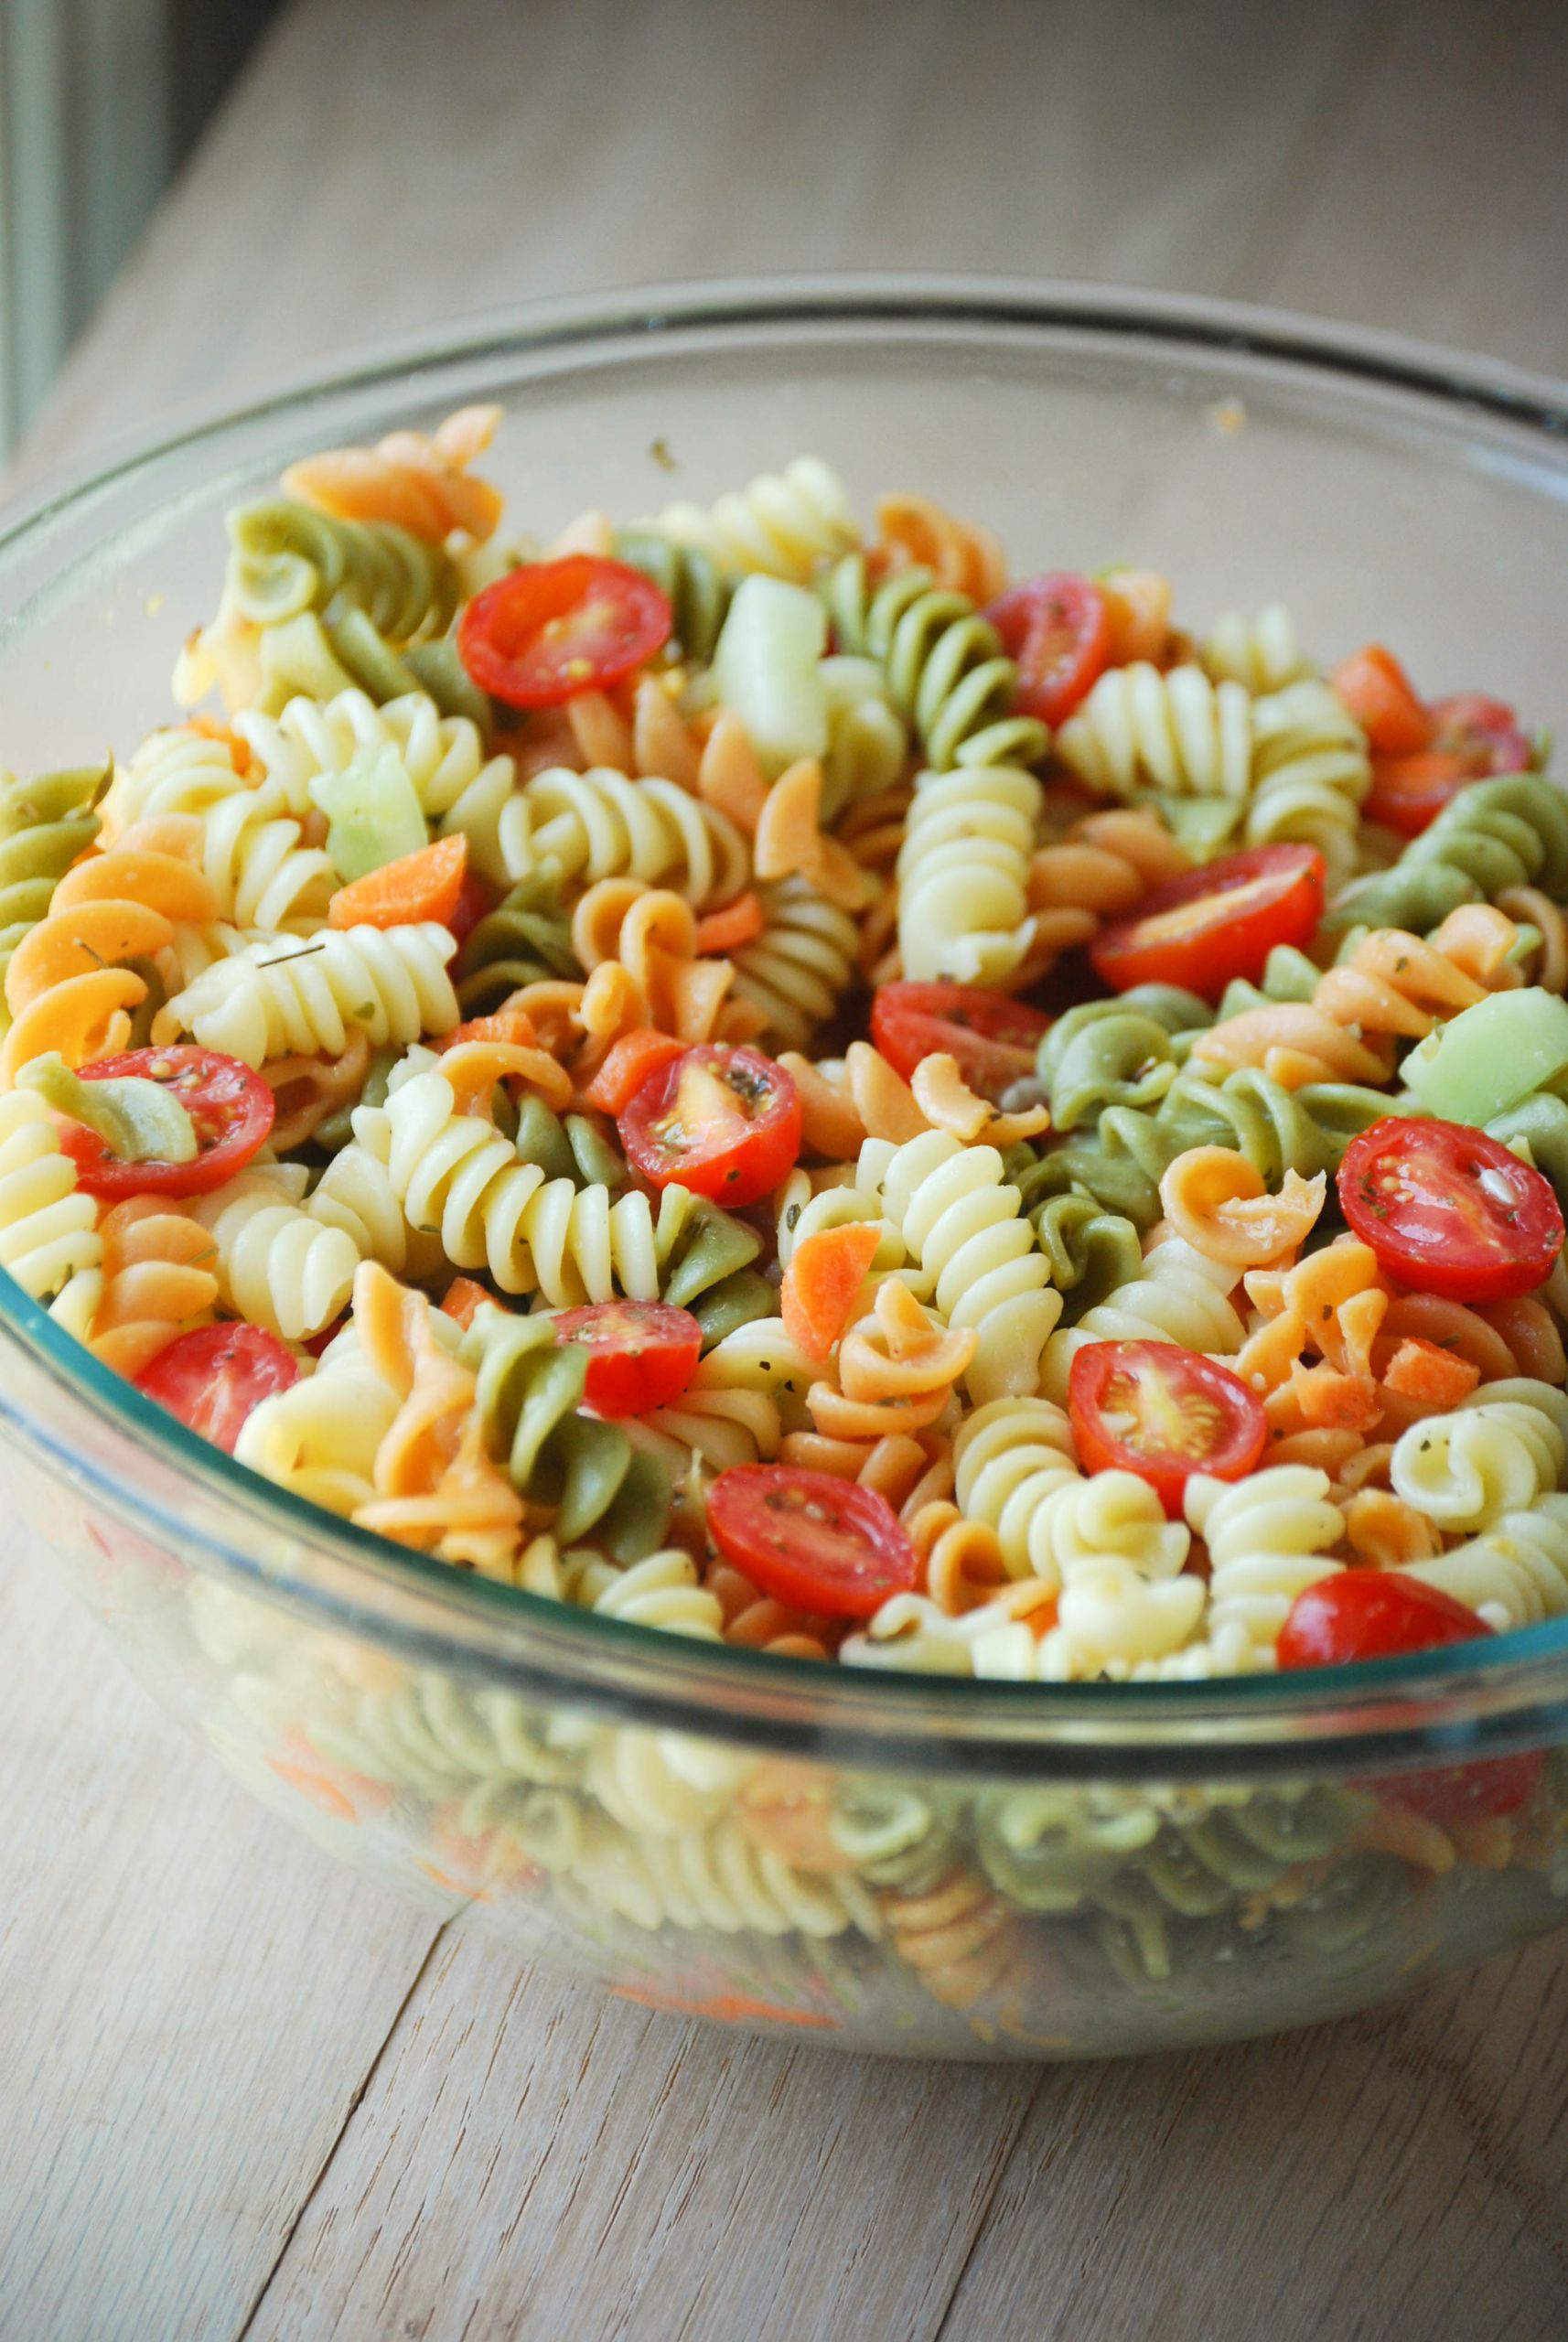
246, 2094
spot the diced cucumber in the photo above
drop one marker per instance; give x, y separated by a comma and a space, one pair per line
766, 667
374, 813
1490, 1057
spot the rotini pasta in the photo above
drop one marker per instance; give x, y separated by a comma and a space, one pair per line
548, 1092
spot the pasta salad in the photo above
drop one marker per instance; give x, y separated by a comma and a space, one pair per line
771, 1080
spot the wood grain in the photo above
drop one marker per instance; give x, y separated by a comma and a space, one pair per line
245, 2094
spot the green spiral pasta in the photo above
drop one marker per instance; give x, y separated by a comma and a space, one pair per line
1091, 1251
286, 557
708, 1270
530, 1395
1541, 1124
1122, 1161
45, 824
526, 940
1120, 1052
323, 656
1511, 832
945, 665
699, 593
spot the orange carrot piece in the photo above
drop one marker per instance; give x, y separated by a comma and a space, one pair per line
512, 1028
423, 886
822, 1282
632, 1061
1383, 701
739, 922
1424, 1370
464, 1295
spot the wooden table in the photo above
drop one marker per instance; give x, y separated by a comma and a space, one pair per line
243, 2093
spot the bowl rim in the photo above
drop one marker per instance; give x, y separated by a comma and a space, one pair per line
1394, 1712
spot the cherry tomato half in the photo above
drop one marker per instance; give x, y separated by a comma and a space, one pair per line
1381, 1614
811, 1539
1164, 1413
545, 632
993, 1038
1057, 629
213, 1378
641, 1354
1449, 1210
1470, 737
724, 1123
1211, 925
233, 1108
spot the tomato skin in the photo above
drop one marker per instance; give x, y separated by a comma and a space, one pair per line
1382, 1613
1413, 1191
1267, 896
811, 1539
1056, 630
545, 632
1371, 1613
1471, 737
1189, 1414
475, 901
992, 1037
724, 1123
233, 1108
641, 1354
211, 1379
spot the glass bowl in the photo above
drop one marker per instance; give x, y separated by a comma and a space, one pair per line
902, 1863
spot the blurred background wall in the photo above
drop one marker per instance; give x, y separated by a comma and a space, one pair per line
100, 101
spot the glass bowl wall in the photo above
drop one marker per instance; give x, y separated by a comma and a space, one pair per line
909, 1865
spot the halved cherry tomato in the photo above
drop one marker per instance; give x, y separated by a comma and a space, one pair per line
1164, 1413
211, 1379
993, 1038
1057, 629
1384, 702
233, 1108
1470, 737
1211, 925
810, 1539
1370, 1614
641, 1354
1449, 1210
724, 1123
1381, 1614
547, 631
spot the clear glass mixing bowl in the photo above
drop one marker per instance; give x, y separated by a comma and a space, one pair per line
911, 1865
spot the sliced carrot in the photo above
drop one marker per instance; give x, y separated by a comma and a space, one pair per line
1326, 1398
464, 1295
511, 1027
630, 1063
1383, 701
423, 886
822, 1282
1423, 1371
739, 922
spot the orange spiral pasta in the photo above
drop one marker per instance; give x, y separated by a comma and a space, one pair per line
62, 986
158, 1281
895, 1371
958, 1937
916, 532
1101, 870
640, 944
436, 1485
1215, 1200
1392, 987
418, 483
